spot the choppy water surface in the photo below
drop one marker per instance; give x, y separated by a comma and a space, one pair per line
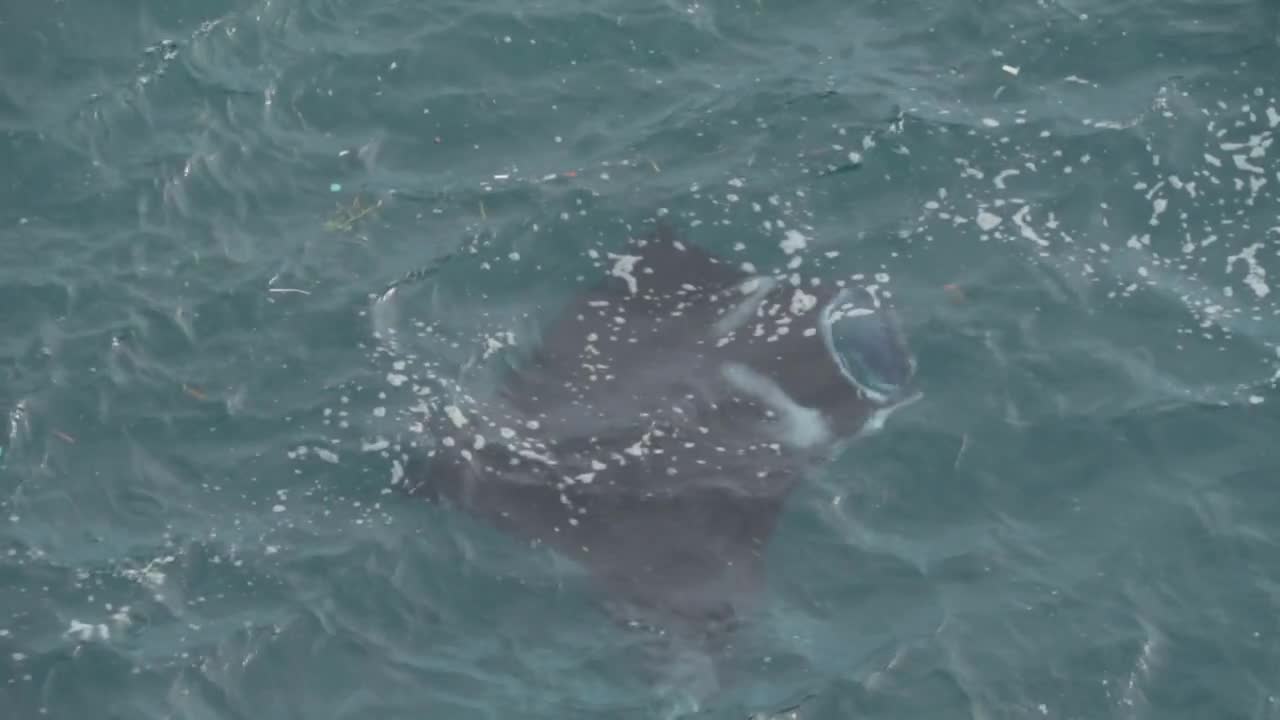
1074, 205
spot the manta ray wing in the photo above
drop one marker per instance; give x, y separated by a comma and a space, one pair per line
643, 326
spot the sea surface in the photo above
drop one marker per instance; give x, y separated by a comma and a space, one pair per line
1073, 204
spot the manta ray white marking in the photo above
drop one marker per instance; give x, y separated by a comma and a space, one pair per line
756, 290
802, 427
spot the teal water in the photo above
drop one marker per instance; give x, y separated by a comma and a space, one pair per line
1075, 205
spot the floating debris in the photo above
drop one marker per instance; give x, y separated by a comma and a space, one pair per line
346, 217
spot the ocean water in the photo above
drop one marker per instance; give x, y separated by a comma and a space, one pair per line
1074, 205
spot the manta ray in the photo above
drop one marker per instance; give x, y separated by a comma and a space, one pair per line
668, 411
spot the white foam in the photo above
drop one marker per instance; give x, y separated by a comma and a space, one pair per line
794, 242
624, 267
1256, 277
1020, 219
85, 632
988, 221
455, 415
802, 302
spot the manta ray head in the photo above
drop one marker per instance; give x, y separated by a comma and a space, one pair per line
843, 373
864, 339
868, 363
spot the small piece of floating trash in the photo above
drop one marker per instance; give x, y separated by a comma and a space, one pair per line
289, 290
